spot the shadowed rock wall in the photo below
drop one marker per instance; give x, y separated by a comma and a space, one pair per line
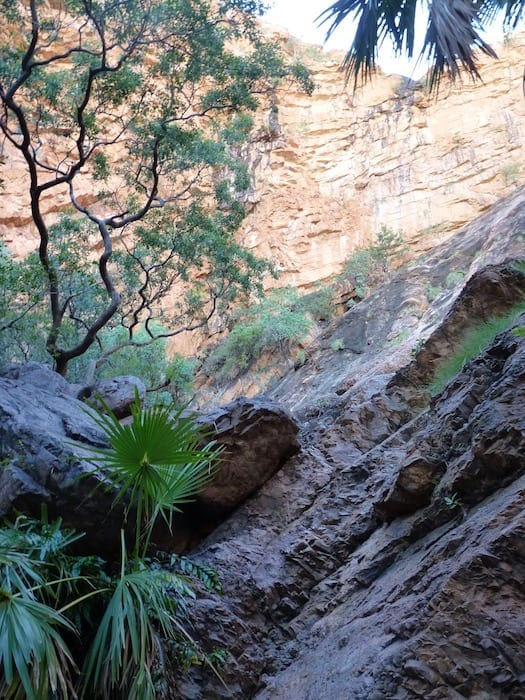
386, 560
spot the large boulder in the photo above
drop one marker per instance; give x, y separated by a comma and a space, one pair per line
41, 421
116, 393
258, 436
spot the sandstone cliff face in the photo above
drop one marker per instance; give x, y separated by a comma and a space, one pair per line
330, 169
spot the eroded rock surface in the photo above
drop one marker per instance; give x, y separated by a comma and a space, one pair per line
386, 560
40, 418
117, 393
257, 437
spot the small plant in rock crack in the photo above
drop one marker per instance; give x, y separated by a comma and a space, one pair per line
417, 347
337, 345
453, 501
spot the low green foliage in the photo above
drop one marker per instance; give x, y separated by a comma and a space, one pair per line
300, 357
453, 278
285, 318
38, 577
414, 352
400, 337
511, 173
276, 323
337, 345
388, 247
358, 269
453, 501
473, 342
61, 612
433, 292
318, 304
40, 665
145, 359
142, 609
368, 266
180, 373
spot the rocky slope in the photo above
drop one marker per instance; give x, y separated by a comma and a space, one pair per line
386, 559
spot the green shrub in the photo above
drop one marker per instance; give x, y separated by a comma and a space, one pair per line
276, 323
180, 371
473, 342
453, 278
147, 361
387, 247
337, 345
300, 358
357, 270
235, 354
433, 292
167, 379
366, 267
511, 173
319, 304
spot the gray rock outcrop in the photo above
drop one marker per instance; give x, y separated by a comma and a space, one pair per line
43, 427
117, 393
386, 560
258, 436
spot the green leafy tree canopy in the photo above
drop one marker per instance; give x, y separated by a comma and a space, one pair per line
135, 113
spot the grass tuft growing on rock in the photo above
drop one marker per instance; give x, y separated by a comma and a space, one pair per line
473, 342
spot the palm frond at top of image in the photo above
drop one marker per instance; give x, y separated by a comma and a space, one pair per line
453, 34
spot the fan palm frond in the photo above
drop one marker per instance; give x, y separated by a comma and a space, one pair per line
158, 460
451, 40
34, 659
141, 611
